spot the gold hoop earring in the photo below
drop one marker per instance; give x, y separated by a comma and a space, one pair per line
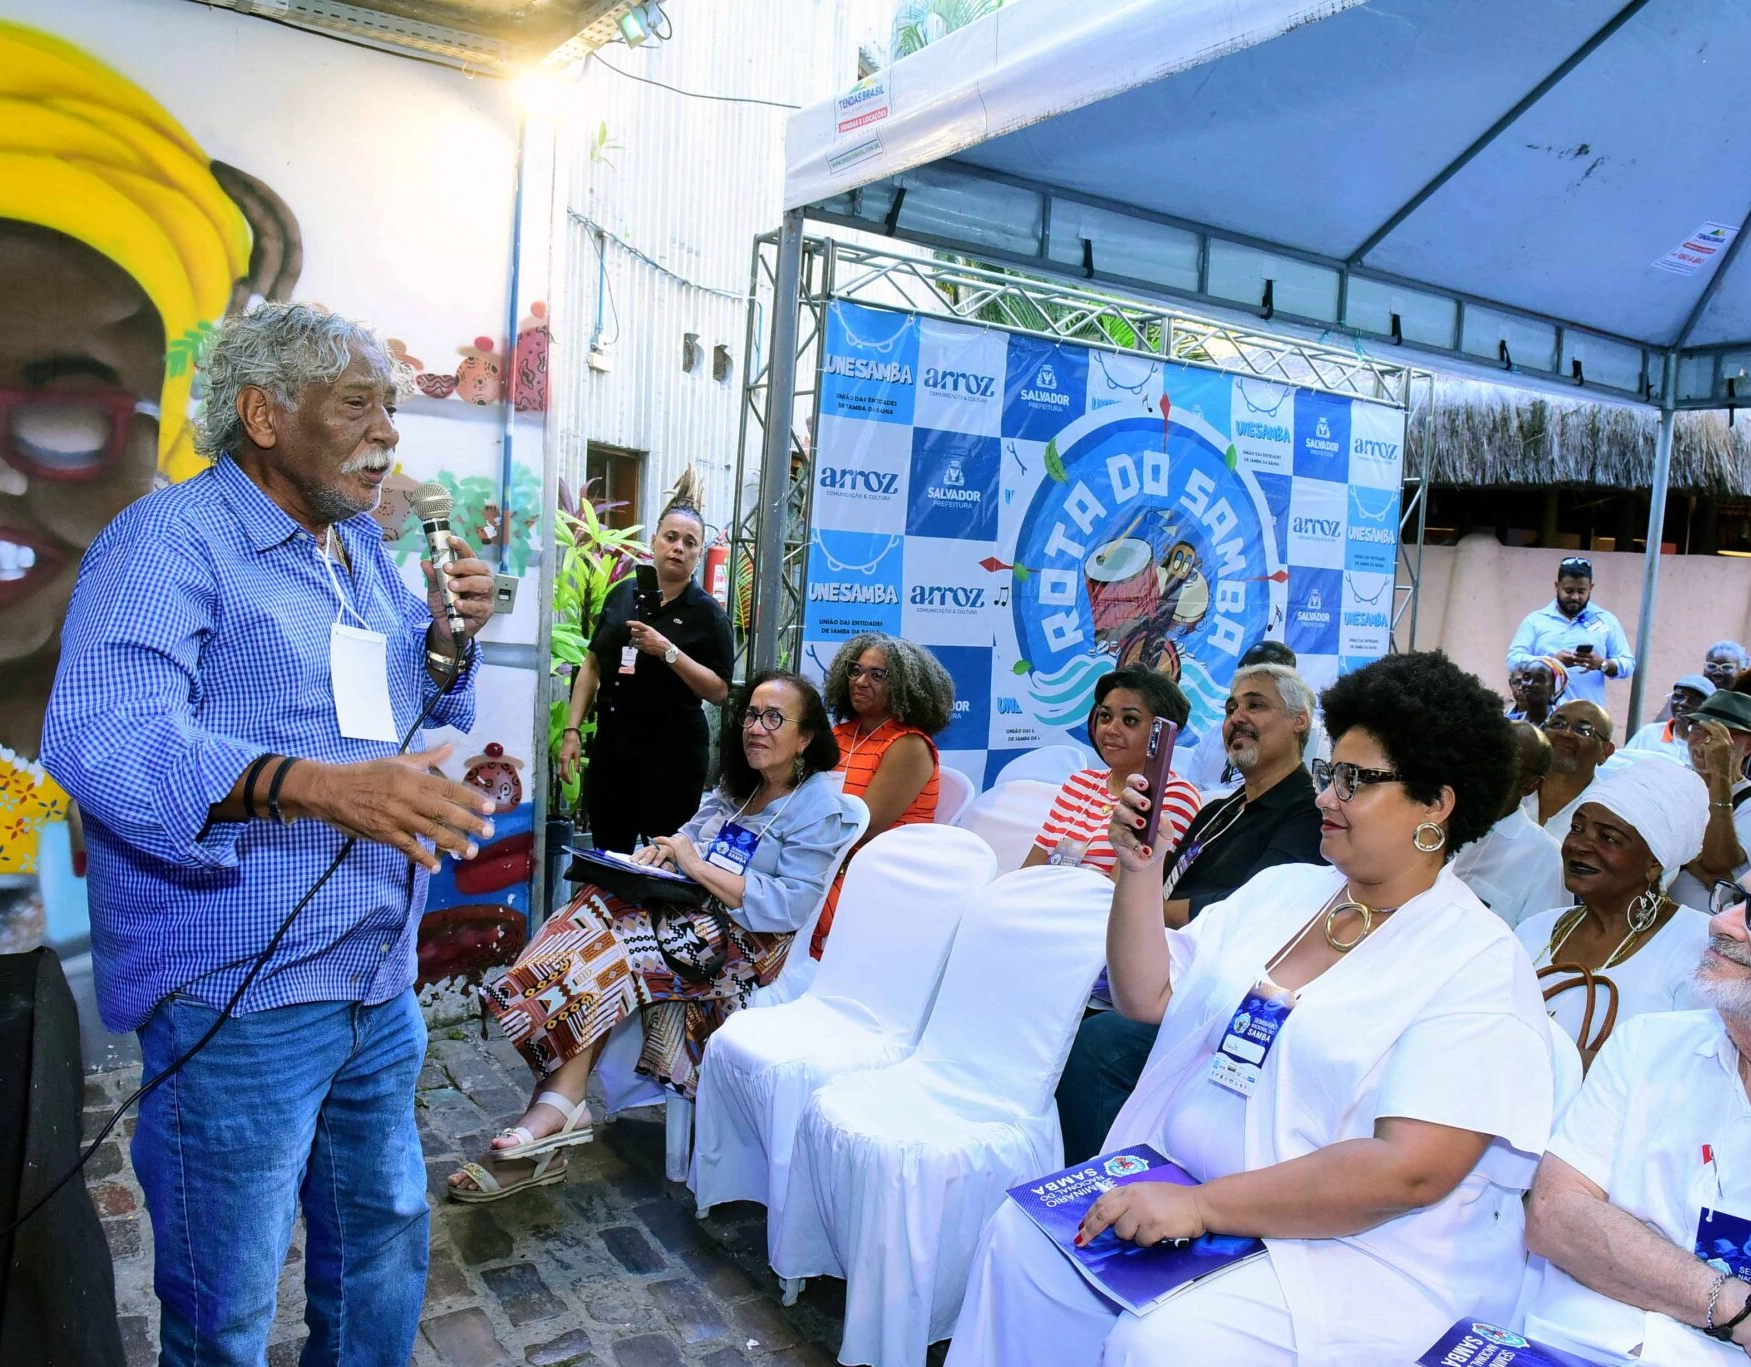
1436, 842
1331, 917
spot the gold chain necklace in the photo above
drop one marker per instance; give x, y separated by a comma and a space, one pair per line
1560, 932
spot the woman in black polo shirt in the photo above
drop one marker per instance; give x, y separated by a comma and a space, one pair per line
646, 673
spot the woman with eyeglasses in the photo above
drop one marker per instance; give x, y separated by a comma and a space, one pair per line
1625, 947
888, 698
1353, 1063
761, 845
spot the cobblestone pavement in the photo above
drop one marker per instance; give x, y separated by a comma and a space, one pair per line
610, 1267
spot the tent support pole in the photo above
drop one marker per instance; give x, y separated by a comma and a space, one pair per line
775, 460
1644, 632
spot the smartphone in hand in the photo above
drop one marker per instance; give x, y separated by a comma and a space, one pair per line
1157, 757
649, 594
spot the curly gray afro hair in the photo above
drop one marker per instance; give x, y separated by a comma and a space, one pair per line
920, 692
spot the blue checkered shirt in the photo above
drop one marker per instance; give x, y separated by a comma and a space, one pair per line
198, 639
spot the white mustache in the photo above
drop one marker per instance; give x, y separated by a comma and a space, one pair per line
374, 458
1730, 949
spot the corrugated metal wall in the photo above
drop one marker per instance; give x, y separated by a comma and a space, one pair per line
687, 183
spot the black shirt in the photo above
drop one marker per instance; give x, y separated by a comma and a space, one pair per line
1280, 826
654, 692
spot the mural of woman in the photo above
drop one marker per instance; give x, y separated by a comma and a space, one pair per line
121, 243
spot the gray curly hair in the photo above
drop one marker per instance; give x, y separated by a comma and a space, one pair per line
920, 691
283, 349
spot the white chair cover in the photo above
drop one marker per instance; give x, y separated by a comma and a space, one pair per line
799, 968
896, 1170
902, 900
1049, 764
1009, 816
623, 1087
954, 794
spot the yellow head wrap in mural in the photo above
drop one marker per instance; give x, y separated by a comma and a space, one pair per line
86, 152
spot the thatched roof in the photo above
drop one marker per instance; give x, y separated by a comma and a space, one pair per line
1484, 434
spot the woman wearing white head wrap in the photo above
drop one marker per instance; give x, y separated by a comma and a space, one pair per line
1635, 830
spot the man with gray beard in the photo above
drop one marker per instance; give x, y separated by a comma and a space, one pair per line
1271, 819
241, 670
1642, 1205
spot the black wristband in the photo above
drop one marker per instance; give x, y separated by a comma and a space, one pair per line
249, 777
1724, 1331
274, 812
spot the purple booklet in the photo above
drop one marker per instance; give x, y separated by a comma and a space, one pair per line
1473, 1343
1138, 1279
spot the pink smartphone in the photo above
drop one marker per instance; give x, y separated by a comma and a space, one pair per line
1156, 759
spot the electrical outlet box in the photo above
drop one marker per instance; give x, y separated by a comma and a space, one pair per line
504, 592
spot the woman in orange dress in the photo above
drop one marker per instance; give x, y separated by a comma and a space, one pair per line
888, 698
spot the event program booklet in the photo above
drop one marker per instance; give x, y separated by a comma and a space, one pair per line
1473, 1343
1139, 1279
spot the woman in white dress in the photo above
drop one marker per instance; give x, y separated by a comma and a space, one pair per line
1638, 827
1393, 1125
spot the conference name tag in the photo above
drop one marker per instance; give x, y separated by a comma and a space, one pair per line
1068, 853
628, 659
732, 848
358, 670
1251, 1033
1723, 1241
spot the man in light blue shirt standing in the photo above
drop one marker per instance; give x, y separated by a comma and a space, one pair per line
241, 670
1588, 640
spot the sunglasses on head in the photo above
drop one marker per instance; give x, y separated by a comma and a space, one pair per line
1575, 565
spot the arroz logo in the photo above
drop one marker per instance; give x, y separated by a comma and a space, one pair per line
962, 382
862, 368
1376, 450
947, 596
1316, 526
843, 479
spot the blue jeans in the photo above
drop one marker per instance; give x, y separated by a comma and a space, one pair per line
309, 1105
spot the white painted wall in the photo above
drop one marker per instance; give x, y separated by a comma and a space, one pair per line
689, 183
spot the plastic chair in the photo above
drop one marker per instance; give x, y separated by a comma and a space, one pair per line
955, 793
1050, 764
1008, 817
898, 911
896, 1170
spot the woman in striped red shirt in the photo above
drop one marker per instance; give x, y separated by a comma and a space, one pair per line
1126, 704
889, 697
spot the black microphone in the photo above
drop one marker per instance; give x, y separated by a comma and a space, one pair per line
431, 504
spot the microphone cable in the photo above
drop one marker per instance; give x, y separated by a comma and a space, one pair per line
176, 1065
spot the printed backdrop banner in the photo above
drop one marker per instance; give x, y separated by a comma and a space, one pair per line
1039, 513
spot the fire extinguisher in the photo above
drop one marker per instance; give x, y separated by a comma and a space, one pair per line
717, 571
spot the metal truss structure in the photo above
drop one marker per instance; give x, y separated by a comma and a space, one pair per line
794, 278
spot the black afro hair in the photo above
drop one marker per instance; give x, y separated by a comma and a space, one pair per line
1440, 727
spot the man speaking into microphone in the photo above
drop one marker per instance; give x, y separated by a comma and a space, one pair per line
239, 665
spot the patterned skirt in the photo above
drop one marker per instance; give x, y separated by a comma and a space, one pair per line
595, 963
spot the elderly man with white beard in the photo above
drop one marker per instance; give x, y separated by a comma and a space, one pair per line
239, 663
1642, 1204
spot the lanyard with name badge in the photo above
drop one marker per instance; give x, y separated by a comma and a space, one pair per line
358, 667
1255, 1027
1071, 848
732, 848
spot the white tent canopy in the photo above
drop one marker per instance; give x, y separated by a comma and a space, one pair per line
1555, 189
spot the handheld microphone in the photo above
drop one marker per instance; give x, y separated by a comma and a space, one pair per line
431, 504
